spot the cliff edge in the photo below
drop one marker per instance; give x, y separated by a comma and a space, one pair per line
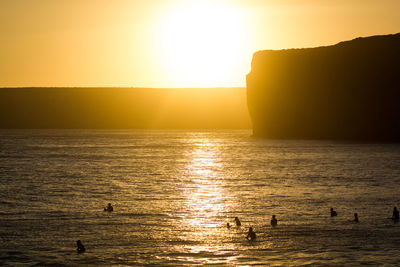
348, 91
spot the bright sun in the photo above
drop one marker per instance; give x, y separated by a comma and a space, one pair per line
203, 44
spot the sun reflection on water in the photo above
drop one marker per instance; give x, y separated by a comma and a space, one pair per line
204, 192
208, 203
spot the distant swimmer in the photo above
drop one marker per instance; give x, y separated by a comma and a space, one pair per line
251, 235
80, 248
274, 221
228, 225
109, 208
395, 214
238, 223
333, 213
355, 217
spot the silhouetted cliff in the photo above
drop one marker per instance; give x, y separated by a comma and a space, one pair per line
350, 90
123, 108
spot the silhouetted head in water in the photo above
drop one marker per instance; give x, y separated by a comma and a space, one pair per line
238, 223
355, 217
395, 214
80, 248
228, 225
274, 221
333, 213
109, 207
251, 235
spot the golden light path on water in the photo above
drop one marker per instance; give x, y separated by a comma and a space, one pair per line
208, 202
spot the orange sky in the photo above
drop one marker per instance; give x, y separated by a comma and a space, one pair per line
169, 43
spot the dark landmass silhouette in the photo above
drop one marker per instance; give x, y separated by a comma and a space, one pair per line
123, 108
350, 90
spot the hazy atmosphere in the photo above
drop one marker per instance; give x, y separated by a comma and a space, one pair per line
169, 43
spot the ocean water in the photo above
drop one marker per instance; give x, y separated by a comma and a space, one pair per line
174, 191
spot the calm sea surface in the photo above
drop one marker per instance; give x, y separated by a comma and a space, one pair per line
174, 191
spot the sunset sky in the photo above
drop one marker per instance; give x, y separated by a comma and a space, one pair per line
169, 43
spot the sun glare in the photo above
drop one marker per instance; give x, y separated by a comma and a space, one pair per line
202, 44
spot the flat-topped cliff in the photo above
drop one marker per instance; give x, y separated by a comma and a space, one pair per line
350, 90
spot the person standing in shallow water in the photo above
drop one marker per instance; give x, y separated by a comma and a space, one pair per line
274, 221
80, 248
251, 235
237, 221
333, 213
395, 216
355, 217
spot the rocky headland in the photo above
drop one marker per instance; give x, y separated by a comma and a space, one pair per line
350, 90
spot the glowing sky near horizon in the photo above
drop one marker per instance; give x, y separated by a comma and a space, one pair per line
169, 43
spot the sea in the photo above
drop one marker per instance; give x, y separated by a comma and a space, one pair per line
174, 191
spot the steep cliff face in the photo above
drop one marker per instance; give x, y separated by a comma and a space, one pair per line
347, 91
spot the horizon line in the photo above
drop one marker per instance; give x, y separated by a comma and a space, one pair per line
122, 87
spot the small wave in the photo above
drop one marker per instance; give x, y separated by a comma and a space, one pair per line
184, 242
200, 255
49, 264
12, 213
14, 257
133, 214
2, 202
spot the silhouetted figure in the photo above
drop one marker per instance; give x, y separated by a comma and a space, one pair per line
80, 248
228, 225
333, 213
237, 221
251, 235
274, 221
109, 208
355, 217
395, 216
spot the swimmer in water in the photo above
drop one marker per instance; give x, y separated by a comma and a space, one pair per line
109, 208
80, 248
238, 223
355, 217
251, 235
274, 221
228, 225
333, 213
395, 216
